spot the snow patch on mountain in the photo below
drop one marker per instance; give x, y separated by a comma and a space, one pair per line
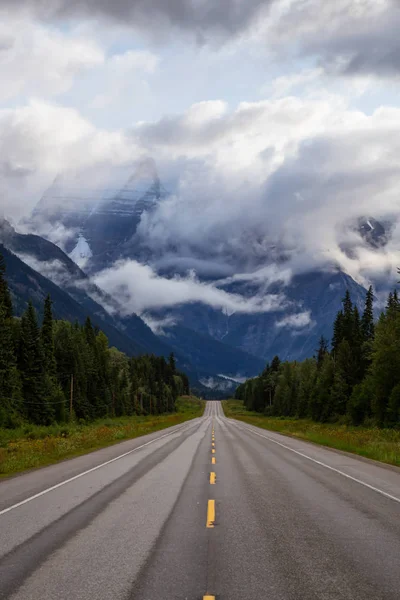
82, 252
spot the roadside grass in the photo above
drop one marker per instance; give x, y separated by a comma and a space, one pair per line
379, 444
32, 446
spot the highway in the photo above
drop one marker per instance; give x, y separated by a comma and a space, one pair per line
213, 508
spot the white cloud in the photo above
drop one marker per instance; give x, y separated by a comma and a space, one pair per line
39, 140
54, 270
326, 165
139, 289
40, 61
158, 325
119, 77
282, 85
298, 321
347, 37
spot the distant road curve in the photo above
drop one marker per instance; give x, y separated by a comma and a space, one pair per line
213, 508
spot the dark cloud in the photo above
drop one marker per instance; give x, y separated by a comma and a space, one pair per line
372, 52
226, 17
347, 38
9, 170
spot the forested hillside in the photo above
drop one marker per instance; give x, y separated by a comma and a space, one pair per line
356, 381
57, 371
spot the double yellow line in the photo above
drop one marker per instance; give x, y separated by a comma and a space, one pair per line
213, 478
211, 503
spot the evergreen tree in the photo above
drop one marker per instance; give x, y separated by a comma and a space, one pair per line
356, 346
348, 318
171, 362
308, 372
47, 338
338, 333
367, 333
385, 366
342, 382
322, 351
10, 383
42, 370
5, 296
31, 363
393, 305
321, 396
367, 321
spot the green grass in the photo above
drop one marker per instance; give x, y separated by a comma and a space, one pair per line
371, 442
32, 446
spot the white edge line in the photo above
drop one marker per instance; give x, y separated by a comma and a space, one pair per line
318, 462
108, 462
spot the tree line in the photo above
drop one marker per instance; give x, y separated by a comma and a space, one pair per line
356, 380
57, 371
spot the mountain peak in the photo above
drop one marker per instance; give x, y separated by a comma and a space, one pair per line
6, 229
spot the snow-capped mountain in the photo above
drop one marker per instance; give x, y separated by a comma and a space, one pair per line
103, 228
97, 222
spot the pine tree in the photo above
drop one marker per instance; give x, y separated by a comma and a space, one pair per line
343, 381
31, 364
90, 333
52, 389
10, 384
5, 296
171, 362
359, 406
322, 350
367, 334
337, 332
47, 338
356, 345
321, 397
7, 346
275, 364
393, 305
384, 371
308, 371
367, 321
348, 318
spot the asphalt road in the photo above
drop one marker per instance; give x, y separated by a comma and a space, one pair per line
263, 517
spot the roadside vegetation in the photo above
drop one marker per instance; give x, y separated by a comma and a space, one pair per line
33, 446
64, 391
60, 372
381, 444
347, 396
353, 381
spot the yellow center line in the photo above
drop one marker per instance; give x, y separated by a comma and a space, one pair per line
213, 450
213, 460
213, 478
208, 597
213, 444
210, 514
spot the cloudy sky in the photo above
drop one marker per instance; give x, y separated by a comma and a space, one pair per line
274, 123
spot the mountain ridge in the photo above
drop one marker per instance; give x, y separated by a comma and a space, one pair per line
312, 299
